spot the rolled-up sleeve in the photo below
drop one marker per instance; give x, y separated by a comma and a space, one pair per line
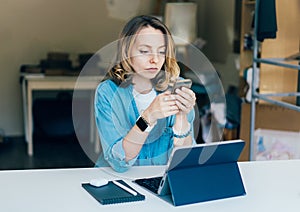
119, 153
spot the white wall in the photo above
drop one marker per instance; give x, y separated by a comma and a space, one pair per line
29, 29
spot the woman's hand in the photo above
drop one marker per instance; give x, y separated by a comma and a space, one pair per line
163, 105
185, 99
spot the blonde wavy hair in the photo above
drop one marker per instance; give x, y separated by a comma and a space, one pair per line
121, 72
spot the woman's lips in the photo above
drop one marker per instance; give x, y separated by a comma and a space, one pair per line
152, 69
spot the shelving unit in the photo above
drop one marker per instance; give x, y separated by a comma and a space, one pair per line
268, 97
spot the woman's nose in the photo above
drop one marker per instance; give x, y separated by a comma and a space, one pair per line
154, 58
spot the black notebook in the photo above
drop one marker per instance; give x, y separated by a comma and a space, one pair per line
111, 193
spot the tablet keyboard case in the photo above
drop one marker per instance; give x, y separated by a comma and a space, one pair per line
217, 177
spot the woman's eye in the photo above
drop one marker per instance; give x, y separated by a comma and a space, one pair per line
144, 52
162, 52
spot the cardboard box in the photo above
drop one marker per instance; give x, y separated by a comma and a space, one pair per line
267, 117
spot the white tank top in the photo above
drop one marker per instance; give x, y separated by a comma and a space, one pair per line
143, 100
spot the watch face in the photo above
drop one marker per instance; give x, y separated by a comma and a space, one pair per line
141, 124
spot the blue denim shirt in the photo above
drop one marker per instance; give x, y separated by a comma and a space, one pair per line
116, 113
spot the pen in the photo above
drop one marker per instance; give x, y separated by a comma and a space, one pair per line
124, 187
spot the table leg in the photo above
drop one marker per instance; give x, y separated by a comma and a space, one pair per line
25, 106
94, 138
97, 142
30, 120
92, 123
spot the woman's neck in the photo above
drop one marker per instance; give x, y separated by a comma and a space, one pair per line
142, 85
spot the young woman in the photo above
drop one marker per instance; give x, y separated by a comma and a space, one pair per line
139, 120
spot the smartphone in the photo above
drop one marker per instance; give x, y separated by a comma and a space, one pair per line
181, 83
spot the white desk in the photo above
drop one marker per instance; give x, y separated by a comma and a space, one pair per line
271, 186
41, 82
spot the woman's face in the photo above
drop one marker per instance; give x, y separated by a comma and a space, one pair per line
148, 52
